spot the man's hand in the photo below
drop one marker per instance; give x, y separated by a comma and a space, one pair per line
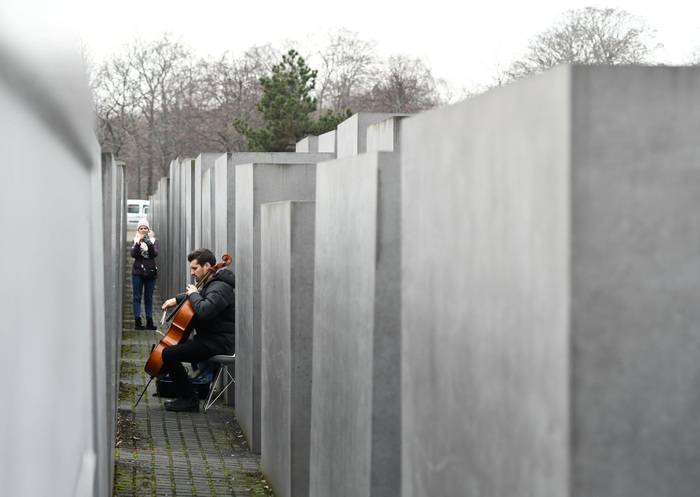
169, 303
191, 289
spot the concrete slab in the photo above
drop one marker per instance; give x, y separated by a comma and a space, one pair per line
355, 441
287, 293
550, 278
327, 142
225, 189
352, 133
308, 144
257, 184
202, 200
385, 135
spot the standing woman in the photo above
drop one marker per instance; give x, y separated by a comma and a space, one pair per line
144, 250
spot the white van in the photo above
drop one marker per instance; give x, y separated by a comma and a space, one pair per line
135, 211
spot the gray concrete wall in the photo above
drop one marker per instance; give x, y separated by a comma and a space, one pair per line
190, 184
170, 228
175, 229
225, 194
113, 239
327, 142
257, 184
485, 294
188, 237
384, 135
201, 195
355, 442
225, 189
550, 274
158, 218
634, 277
352, 133
55, 421
224, 201
308, 144
287, 298
208, 192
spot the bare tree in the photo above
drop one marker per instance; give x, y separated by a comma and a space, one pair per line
587, 36
231, 89
694, 58
159, 68
345, 71
403, 85
113, 96
155, 102
138, 97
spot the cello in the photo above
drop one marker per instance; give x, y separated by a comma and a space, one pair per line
181, 326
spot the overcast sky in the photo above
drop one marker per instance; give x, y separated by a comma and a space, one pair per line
462, 42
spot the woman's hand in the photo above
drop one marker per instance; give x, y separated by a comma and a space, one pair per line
169, 303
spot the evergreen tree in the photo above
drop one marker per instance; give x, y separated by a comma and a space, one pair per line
286, 107
329, 121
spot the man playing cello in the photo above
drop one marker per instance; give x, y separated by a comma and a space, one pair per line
214, 314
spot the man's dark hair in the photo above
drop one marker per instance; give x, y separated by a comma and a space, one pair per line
202, 256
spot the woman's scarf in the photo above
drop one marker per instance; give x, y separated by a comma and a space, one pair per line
143, 247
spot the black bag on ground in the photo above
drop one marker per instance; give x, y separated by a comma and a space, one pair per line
165, 387
149, 272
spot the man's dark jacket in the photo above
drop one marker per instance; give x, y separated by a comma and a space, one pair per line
215, 312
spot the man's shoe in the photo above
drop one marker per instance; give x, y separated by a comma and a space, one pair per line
182, 404
138, 324
150, 325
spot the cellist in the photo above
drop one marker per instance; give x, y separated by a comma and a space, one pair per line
214, 314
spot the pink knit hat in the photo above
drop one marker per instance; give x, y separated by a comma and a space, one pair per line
143, 222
